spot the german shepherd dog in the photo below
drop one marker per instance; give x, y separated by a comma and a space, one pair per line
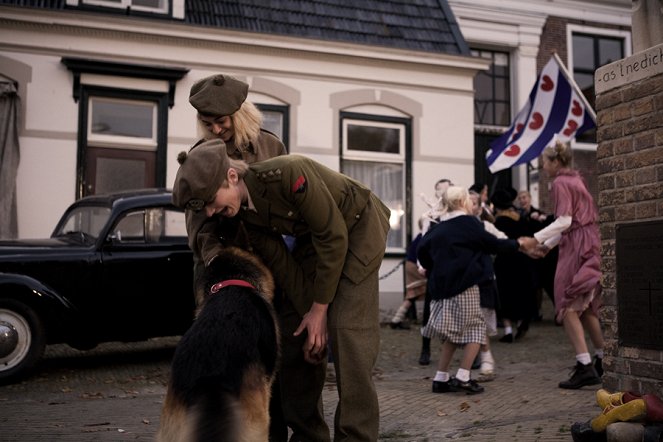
224, 365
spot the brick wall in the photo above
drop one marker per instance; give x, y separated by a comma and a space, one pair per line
630, 184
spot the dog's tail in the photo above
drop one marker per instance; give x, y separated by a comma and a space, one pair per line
217, 416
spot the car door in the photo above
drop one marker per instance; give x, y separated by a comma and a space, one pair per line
148, 274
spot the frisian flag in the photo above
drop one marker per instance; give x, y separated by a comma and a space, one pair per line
556, 109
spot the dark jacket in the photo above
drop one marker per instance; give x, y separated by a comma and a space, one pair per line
453, 254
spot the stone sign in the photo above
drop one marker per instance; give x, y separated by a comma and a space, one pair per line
639, 257
628, 70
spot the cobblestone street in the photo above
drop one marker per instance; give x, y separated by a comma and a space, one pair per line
115, 392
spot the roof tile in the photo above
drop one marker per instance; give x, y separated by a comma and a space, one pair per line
422, 25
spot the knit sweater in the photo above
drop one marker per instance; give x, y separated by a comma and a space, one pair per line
452, 253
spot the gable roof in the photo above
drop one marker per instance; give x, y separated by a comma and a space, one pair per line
419, 25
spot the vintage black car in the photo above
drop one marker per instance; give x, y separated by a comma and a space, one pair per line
116, 268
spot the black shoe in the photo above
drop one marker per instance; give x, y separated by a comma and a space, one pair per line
424, 358
522, 331
582, 375
399, 325
469, 387
598, 365
441, 387
507, 338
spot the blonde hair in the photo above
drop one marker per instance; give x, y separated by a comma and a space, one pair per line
455, 198
246, 124
560, 151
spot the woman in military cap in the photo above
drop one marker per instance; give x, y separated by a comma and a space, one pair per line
225, 114
331, 275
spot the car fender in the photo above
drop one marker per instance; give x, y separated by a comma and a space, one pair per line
23, 288
55, 310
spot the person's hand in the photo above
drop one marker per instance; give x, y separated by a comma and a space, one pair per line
542, 250
315, 324
421, 271
527, 244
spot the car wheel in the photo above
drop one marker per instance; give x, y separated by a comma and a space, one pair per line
22, 340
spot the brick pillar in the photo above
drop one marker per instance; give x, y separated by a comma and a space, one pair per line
629, 105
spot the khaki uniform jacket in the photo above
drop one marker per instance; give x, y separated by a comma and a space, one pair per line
343, 221
203, 232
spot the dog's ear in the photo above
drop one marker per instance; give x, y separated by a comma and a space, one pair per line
242, 237
231, 232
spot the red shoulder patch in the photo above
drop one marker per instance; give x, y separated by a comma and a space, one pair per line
300, 185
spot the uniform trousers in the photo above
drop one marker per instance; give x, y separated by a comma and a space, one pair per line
354, 331
297, 390
354, 334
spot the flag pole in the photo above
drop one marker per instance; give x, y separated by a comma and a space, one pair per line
575, 87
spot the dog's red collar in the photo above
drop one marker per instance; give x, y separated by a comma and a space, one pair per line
228, 282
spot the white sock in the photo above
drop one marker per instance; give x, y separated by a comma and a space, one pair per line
486, 356
463, 375
599, 353
584, 358
441, 376
508, 330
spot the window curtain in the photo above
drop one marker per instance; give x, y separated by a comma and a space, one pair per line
9, 159
386, 180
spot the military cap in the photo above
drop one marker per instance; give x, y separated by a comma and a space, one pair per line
218, 95
202, 171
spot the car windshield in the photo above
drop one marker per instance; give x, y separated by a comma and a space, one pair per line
84, 223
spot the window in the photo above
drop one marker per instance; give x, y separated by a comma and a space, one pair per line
156, 225
374, 152
87, 219
156, 6
492, 90
275, 119
123, 137
124, 140
122, 122
590, 52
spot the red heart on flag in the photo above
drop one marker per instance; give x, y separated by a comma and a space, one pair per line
571, 127
576, 109
547, 83
519, 128
537, 121
512, 151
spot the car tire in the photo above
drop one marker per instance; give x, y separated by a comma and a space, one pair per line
24, 340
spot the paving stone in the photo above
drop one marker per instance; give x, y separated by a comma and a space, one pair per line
115, 392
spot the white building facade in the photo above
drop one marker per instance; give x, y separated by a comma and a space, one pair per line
78, 72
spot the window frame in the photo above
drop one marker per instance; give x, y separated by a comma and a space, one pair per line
284, 110
163, 9
508, 101
571, 30
160, 150
82, 90
119, 141
403, 158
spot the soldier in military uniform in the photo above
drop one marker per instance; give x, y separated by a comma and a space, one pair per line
225, 114
331, 276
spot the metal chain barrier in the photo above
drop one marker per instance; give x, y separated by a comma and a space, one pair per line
390, 272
